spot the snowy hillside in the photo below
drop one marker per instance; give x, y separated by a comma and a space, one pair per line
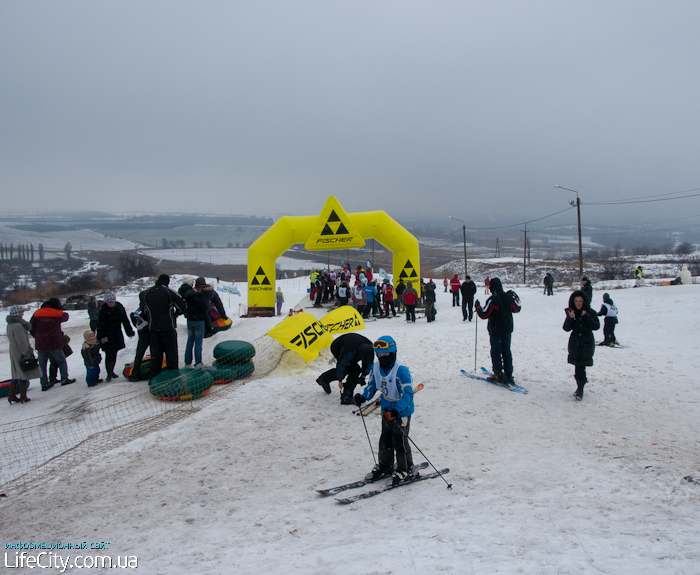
541, 484
80, 240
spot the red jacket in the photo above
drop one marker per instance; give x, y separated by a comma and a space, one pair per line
45, 327
455, 283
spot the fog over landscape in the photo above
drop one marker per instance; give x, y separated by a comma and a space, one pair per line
474, 110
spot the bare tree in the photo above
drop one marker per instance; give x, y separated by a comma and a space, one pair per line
68, 249
131, 266
615, 268
42, 253
684, 249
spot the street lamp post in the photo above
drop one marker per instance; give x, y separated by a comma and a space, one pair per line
464, 235
578, 210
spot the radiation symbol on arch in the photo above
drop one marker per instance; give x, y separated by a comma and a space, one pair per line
408, 272
333, 229
260, 279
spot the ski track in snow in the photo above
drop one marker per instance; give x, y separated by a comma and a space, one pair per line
541, 484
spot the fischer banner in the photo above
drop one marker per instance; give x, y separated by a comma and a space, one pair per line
302, 333
343, 320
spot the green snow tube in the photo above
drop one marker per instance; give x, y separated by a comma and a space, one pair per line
224, 373
233, 352
181, 384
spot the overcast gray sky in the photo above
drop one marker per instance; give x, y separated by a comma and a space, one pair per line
411, 107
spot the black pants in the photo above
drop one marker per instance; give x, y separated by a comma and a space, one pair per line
394, 439
580, 375
455, 298
110, 359
141, 347
609, 329
354, 377
467, 308
387, 305
163, 342
411, 313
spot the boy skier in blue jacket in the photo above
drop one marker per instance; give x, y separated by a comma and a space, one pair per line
393, 380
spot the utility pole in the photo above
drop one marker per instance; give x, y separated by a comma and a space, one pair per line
498, 249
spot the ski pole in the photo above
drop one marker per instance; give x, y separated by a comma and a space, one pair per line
368, 439
366, 408
449, 485
476, 333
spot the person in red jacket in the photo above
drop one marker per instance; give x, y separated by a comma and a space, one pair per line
455, 284
410, 299
45, 328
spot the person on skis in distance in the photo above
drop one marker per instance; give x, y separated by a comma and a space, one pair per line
608, 310
499, 310
393, 380
581, 321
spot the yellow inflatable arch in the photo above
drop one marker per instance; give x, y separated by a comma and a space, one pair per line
332, 229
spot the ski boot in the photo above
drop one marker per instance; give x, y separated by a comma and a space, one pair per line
377, 473
404, 476
497, 378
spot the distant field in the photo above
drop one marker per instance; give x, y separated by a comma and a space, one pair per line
226, 256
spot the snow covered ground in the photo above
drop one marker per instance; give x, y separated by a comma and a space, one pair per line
227, 256
80, 240
541, 484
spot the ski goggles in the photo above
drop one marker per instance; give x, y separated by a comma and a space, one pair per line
381, 344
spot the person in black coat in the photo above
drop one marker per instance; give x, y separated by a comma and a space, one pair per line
581, 321
350, 350
468, 289
160, 306
109, 327
499, 310
587, 289
548, 284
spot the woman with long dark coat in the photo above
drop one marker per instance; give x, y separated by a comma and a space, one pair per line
109, 325
18, 335
581, 321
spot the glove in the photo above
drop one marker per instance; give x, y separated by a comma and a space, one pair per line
391, 415
477, 304
358, 400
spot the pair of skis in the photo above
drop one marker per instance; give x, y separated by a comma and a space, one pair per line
370, 407
387, 487
512, 387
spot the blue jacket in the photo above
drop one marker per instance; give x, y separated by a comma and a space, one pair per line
371, 292
404, 382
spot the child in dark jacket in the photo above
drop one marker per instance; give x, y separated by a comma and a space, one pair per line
92, 357
581, 321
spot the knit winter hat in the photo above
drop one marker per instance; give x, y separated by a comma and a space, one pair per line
109, 296
200, 282
90, 337
15, 310
163, 279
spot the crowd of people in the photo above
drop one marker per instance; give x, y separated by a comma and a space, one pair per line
155, 321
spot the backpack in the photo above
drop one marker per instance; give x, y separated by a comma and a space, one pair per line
137, 319
409, 298
516, 307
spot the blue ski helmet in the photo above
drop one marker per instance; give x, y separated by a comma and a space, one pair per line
385, 344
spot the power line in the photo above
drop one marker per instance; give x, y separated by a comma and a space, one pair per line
620, 202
